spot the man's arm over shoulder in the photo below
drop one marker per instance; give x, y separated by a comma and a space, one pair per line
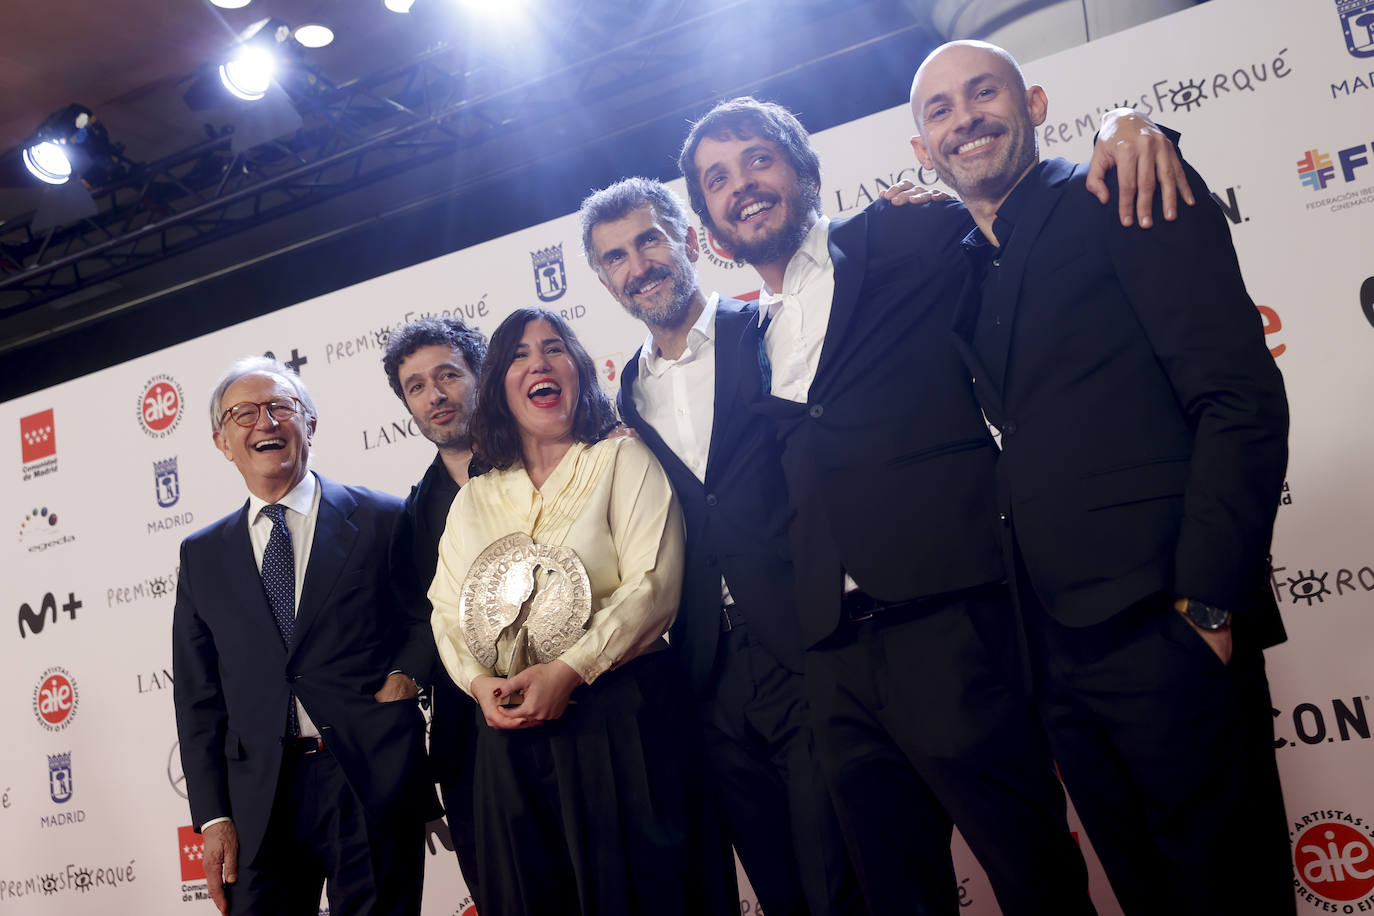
1183, 281
920, 237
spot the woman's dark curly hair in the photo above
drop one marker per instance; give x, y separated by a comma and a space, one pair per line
495, 435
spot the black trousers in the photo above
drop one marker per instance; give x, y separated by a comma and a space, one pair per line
318, 830
452, 757
921, 724
1169, 757
756, 728
605, 810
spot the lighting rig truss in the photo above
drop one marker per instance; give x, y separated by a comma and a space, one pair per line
376, 127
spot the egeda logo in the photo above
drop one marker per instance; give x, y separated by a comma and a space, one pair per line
1357, 21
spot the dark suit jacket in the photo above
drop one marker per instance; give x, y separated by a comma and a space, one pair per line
737, 519
888, 462
233, 676
1144, 423
415, 554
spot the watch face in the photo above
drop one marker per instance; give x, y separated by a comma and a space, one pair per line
1206, 616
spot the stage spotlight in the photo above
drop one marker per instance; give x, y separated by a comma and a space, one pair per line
314, 35
248, 73
231, 4
47, 162
398, 6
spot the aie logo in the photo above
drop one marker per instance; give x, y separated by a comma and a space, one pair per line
159, 406
34, 621
550, 281
1334, 860
714, 251
168, 485
60, 777
54, 699
1357, 22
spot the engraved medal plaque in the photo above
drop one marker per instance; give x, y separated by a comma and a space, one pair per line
516, 584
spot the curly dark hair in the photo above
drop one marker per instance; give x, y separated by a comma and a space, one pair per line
745, 118
495, 435
445, 332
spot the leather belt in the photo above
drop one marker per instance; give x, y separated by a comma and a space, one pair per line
858, 605
304, 747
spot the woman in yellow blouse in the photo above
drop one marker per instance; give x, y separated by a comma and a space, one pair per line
590, 797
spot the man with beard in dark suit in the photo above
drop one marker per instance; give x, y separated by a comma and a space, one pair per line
736, 633
1144, 440
920, 720
432, 366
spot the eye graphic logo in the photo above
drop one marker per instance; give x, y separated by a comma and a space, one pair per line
1308, 587
1335, 862
1187, 96
1357, 22
550, 280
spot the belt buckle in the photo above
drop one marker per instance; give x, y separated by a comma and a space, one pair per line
308, 746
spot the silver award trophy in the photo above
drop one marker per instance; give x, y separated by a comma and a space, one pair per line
538, 592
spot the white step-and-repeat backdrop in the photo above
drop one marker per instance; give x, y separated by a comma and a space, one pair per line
107, 473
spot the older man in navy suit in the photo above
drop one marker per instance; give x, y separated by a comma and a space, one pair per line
301, 742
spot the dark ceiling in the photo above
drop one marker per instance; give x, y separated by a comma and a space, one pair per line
422, 134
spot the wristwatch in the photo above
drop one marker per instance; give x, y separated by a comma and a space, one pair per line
1206, 616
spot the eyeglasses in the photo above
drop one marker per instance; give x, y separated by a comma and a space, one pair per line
246, 413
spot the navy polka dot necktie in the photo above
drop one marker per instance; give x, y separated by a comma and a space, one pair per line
279, 581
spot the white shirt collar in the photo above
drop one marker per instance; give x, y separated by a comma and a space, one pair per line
300, 498
811, 256
704, 328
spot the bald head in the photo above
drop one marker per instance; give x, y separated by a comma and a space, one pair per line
965, 58
975, 120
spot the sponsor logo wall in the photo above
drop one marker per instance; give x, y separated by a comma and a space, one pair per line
98, 511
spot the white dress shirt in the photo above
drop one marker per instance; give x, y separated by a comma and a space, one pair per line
303, 508
677, 397
800, 313
613, 505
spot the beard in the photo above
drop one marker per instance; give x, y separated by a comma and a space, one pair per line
991, 180
681, 291
453, 436
801, 201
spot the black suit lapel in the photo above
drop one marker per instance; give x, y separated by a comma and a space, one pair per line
965, 320
734, 338
334, 537
848, 244
242, 580
1016, 250
672, 464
